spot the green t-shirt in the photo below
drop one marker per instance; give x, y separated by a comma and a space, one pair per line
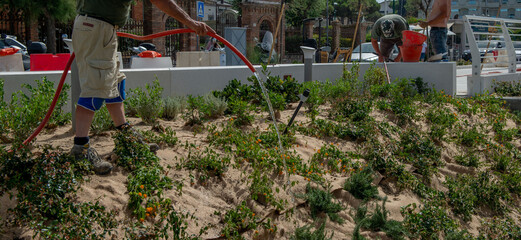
393, 22
113, 11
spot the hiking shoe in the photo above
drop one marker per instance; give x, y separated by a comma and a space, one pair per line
80, 152
129, 129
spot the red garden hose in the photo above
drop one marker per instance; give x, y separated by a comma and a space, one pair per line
140, 38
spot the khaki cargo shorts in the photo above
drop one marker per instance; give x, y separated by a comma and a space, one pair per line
95, 46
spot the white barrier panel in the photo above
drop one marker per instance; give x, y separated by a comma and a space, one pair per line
11, 63
201, 80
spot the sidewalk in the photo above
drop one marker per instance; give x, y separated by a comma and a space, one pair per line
462, 72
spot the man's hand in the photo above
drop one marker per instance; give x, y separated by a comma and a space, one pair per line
201, 28
424, 24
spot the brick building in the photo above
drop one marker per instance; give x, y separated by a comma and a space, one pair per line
259, 16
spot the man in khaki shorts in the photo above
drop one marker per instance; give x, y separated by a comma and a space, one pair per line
95, 46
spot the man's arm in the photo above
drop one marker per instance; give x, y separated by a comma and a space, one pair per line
172, 9
376, 48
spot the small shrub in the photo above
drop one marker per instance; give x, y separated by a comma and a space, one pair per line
461, 197
148, 105
305, 233
173, 106
193, 115
428, 222
27, 108
499, 228
213, 107
355, 109
512, 89
207, 163
241, 110
469, 159
102, 121
421, 152
321, 202
360, 184
377, 221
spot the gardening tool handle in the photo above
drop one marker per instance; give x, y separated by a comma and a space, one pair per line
303, 99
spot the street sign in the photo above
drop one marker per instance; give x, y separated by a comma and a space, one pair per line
200, 9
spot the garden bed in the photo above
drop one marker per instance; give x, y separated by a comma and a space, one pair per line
361, 160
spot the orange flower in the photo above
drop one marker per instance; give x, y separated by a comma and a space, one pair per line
141, 219
145, 195
140, 194
142, 186
253, 214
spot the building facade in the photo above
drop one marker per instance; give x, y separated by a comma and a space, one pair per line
488, 8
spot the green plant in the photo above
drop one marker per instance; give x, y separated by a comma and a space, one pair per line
165, 136
421, 152
305, 233
428, 222
173, 106
499, 228
320, 201
373, 76
241, 110
212, 106
377, 221
360, 184
52, 212
461, 197
102, 121
148, 105
236, 90
356, 109
194, 115
27, 108
442, 121
469, 159
507, 88
239, 220
207, 163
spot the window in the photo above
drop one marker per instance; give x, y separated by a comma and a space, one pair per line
505, 1
473, 2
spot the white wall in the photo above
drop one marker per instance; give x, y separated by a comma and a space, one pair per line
201, 80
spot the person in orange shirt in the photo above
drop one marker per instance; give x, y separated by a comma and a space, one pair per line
437, 20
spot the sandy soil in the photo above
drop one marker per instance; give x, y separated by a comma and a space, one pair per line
226, 193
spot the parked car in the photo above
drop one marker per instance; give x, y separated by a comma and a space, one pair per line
368, 53
8, 41
482, 46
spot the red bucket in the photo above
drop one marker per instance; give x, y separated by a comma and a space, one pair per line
410, 38
411, 53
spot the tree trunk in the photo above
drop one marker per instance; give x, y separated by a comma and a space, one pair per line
147, 17
51, 33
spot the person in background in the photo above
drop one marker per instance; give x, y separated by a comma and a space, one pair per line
437, 20
95, 45
388, 29
424, 46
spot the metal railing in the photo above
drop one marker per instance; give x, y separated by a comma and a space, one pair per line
493, 43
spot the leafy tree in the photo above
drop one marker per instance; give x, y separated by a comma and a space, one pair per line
349, 9
52, 12
412, 7
298, 10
